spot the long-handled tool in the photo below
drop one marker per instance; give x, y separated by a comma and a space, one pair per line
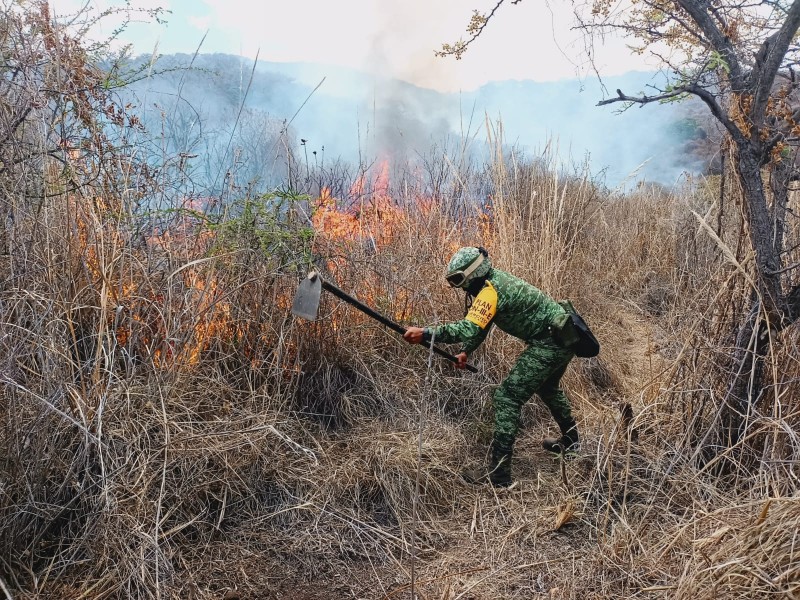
306, 305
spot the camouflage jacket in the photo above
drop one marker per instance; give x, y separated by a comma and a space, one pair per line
514, 305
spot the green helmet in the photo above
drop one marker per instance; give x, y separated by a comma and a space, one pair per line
467, 265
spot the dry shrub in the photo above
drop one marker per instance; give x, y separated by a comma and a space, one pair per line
746, 552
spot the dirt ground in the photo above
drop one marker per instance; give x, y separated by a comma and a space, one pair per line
515, 543
500, 544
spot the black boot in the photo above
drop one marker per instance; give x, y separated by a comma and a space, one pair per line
498, 472
568, 444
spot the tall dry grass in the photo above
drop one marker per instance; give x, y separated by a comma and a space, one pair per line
171, 431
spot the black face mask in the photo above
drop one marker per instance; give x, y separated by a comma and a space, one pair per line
474, 287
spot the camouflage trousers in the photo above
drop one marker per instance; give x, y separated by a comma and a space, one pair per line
538, 370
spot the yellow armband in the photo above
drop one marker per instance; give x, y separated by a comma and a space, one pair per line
483, 307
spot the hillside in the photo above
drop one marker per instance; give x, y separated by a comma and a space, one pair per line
349, 115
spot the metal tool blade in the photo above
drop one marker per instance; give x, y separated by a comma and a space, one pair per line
306, 300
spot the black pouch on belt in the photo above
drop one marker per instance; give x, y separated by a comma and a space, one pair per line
572, 332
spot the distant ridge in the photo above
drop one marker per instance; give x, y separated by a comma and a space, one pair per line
354, 114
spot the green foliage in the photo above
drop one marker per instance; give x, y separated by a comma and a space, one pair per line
716, 61
686, 77
678, 97
271, 224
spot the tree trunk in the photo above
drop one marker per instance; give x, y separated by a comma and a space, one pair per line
746, 381
771, 309
762, 234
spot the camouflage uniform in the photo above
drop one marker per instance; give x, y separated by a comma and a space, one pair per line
522, 310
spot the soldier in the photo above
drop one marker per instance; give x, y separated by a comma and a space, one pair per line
520, 309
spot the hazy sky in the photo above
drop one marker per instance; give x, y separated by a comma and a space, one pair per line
390, 37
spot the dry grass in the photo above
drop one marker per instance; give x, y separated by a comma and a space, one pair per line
170, 431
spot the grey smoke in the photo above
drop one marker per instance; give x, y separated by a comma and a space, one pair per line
361, 118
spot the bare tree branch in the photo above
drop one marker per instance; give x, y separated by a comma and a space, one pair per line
769, 58
621, 97
707, 97
477, 24
718, 40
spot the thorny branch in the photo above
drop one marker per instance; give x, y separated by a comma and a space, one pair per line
477, 24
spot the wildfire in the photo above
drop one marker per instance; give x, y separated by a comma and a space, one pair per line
366, 221
166, 302
375, 221
361, 226
139, 310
